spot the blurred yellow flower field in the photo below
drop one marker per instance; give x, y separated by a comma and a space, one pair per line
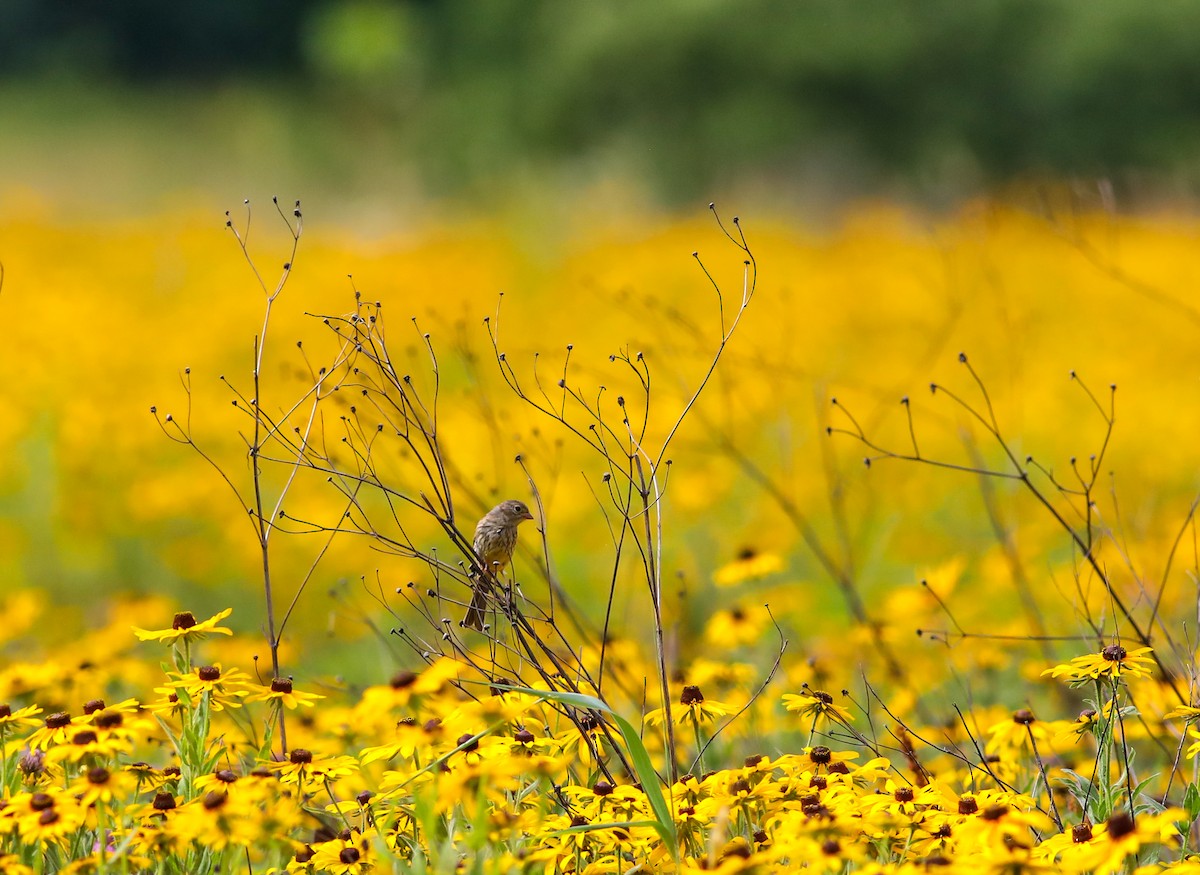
975, 650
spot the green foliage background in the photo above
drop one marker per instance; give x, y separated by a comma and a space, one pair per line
931, 98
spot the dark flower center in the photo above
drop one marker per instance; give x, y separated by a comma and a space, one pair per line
1114, 653
98, 775
109, 719
1120, 824
402, 679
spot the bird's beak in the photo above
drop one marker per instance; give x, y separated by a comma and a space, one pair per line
527, 516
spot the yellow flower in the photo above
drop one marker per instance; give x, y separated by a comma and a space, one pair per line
349, 854
225, 689
99, 786
185, 628
737, 626
1012, 737
692, 710
20, 719
49, 820
218, 820
1194, 747
281, 691
833, 761
1113, 662
10, 864
1123, 836
85, 742
816, 704
409, 738
303, 766
749, 565
56, 728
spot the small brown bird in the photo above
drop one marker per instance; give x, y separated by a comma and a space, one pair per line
495, 538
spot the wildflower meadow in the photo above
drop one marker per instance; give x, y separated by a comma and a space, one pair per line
861, 548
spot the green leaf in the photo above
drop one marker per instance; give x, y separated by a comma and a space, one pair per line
1191, 802
664, 823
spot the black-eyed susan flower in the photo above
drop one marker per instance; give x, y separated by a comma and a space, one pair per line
749, 565
1023, 732
585, 743
816, 704
409, 738
14, 721
1189, 713
1113, 662
146, 775
50, 819
186, 628
1193, 749
225, 688
221, 779
283, 692
301, 861
693, 710
95, 707
829, 760
737, 627
1000, 821
85, 743
1121, 836
218, 820
900, 800
10, 864
100, 785
303, 766
55, 729
349, 854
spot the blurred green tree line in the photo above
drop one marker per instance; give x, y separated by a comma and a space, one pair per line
689, 92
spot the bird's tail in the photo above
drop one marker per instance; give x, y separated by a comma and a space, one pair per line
475, 611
